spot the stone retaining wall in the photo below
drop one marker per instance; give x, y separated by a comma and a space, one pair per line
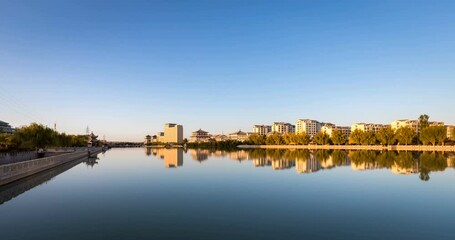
15, 171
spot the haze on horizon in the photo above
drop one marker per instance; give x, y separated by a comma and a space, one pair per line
124, 68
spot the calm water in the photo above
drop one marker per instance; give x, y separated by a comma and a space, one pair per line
170, 194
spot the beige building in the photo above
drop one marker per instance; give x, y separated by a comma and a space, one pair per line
283, 128
220, 137
450, 132
262, 129
200, 136
414, 124
329, 129
239, 136
310, 127
173, 133
367, 127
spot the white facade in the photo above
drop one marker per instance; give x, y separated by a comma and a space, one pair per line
283, 128
310, 127
329, 129
262, 129
367, 127
414, 124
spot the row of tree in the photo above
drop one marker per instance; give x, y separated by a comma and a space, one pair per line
385, 136
36, 136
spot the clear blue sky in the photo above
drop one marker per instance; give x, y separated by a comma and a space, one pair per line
126, 67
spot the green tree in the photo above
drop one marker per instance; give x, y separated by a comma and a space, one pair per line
423, 121
290, 139
302, 138
257, 139
405, 135
338, 138
368, 138
274, 139
433, 135
322, 138
386, 136
356, 137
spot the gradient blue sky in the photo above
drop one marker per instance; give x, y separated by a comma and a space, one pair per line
124, 68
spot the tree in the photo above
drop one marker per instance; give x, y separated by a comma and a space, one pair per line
274, 139
257, 139
322, 138
338, 138
302, 138
433, 135
356, 137
368, 138
290, 138
386, 136
405, 135
423, 121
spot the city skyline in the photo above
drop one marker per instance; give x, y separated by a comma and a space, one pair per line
126, 68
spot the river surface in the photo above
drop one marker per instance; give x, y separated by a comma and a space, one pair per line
261, 194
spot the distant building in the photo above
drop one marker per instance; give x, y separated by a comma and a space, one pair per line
367, 127
200, 136
329, 129
160, 137
148, 140
6, 128
220, 137
450, 135
262, 129
310, 127
414, 124
239, 136
283, 128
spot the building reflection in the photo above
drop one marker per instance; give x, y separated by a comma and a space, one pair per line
173, 157
306, 161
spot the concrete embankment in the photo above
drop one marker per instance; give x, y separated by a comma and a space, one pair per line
355, 147
15, 171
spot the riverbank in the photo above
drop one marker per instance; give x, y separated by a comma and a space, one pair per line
355, 147
15, 171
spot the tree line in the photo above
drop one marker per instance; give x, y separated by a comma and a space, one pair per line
429, 135
36, 136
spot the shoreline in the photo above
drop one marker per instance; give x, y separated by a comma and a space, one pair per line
355, 147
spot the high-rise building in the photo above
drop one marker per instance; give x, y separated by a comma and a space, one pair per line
173, 133
262, 129
310, 127
283, 128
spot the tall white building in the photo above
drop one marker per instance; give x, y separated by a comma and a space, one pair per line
283, 128
310, 127
262, 129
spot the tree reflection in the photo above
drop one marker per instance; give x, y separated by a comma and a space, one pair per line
431, 162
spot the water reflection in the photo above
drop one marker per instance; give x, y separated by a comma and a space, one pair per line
173, 157
306, 161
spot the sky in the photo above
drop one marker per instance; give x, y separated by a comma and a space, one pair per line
124, 68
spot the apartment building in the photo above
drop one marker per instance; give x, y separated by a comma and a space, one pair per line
414, 124
310, 127
283, 128
329, 129
367, 127
262, 129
